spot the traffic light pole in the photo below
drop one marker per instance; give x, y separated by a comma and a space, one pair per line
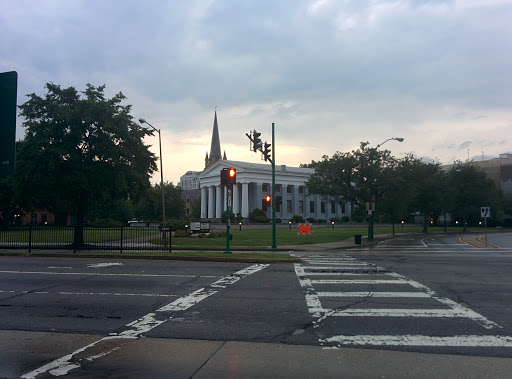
274, 243
228, 251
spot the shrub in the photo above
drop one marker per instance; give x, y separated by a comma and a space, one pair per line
345, 219
311, 220
261, 219
175, 224
278, 220
105, 223
223, 217
257, 213
297, 219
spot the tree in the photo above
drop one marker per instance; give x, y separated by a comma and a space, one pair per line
472, 189
149, 206
356, 176
77, 149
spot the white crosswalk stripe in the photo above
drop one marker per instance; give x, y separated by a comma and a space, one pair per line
326, 297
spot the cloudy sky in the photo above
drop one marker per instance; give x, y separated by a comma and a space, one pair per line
328, 73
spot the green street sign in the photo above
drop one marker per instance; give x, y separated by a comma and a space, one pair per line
8, 94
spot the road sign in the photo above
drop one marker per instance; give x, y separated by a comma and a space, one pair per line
485, 212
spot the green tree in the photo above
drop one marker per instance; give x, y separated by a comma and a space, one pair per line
79, 147
149, 206
195, 211
354, 176
472, 189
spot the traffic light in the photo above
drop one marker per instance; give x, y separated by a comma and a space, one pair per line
227, 176
256, 141
268, 199
232, 175
266, 150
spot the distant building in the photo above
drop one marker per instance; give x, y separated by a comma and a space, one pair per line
190, 181
500, 170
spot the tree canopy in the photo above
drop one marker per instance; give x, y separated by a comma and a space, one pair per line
80, 147
401, 187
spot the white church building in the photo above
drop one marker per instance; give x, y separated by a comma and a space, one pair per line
254, 183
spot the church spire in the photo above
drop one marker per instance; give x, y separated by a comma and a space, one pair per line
215, 154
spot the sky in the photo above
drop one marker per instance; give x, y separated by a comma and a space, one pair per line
329, 74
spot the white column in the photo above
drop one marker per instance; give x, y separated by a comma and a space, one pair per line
245, 200
211, 202
236, 199
204, 203
219, 202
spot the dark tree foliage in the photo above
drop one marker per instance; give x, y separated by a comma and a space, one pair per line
470, 190
79, 148
353, 176
149, 207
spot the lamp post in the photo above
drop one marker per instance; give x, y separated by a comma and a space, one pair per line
143, 121
371, 208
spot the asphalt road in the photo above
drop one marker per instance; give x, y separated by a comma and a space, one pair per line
435, 295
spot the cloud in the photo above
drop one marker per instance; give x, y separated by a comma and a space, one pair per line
330, 74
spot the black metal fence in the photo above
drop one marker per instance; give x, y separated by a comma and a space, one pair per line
76, 238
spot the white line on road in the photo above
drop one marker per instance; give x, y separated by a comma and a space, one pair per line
107, 274
360, 281
101, 265
65, 364
418, 340
372, 294
423, 312
91, 293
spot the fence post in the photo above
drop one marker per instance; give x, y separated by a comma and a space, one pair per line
30, 239
121, 252
170, 240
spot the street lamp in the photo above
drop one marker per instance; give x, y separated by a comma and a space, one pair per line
143, 121
370, 211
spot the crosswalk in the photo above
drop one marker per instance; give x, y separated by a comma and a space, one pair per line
356, 303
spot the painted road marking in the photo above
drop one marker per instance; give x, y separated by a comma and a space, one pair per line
107, 274
452, 310
90, 293
418, 340
101, 265
135, 329
373, 294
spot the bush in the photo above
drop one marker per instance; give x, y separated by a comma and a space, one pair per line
105, 223
261, 219
175, 224
223, 217
297, 219
278, 220
321, 221
312, 220
345, 219
257, 213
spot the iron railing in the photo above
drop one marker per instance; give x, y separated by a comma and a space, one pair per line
76, 238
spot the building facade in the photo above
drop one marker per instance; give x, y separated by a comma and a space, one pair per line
190, 181
254, 183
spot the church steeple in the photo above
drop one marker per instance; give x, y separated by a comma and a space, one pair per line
215, 154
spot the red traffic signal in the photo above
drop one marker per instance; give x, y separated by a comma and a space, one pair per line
228, 176
268, 198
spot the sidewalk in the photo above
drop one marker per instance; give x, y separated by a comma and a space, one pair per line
178, 358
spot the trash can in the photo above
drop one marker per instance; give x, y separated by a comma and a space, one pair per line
357, 239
